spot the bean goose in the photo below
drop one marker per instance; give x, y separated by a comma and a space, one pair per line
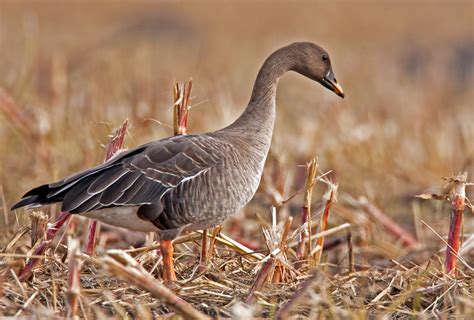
191, 182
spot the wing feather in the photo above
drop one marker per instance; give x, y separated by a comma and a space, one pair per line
104, 181
136, 177
131, 192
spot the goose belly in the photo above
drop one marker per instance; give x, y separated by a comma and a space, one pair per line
124, 217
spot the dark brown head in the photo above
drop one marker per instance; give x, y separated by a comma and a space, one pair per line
314, 62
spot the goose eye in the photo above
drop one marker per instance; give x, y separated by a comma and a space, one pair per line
325, 57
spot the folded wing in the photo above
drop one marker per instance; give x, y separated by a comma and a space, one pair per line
137, 177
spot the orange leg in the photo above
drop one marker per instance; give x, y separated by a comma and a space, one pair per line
167, 252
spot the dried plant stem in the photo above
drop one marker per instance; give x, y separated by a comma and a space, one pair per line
14, 241
279, 272
305, 235
324, 233
40, 250
458, 204
285, 233
126, 268
114, 144
324, 224
204, 250
215, 232
6, 212
181, 107
273, 263
26, 304
73, 283
39, 222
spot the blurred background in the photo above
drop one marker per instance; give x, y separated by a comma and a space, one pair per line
70, 71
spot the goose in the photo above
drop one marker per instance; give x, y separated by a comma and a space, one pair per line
189, 182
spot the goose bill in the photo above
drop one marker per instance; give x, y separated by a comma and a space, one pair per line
330, 82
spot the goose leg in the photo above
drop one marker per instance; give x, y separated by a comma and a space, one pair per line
167, 252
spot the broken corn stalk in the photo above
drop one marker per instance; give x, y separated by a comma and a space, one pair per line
305, 235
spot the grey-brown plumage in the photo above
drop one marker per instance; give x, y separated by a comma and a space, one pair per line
188, 182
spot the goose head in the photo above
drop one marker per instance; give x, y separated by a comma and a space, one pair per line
314, 62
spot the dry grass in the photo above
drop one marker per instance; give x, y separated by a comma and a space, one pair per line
68, 74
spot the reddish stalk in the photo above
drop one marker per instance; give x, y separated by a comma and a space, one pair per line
458, 204
455, 192
305, 235
114, 144
388, 224
260, 280
92, 231
60, 221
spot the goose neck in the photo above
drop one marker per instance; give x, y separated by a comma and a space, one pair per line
260, 112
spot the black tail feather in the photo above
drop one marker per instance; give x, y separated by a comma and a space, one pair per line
37, 197
30, 200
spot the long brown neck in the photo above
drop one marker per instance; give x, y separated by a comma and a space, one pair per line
260, 112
